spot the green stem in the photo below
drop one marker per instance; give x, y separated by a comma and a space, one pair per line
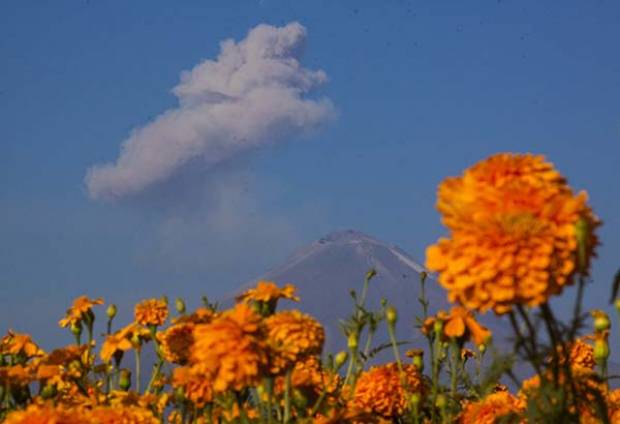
137, 352
287, 396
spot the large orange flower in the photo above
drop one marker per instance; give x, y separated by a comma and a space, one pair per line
231, 349
515, 232
382, 391
292, 336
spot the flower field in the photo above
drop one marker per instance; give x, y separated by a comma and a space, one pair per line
517, 235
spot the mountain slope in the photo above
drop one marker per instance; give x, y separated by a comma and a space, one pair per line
328, 269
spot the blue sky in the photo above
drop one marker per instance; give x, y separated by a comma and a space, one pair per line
421, 90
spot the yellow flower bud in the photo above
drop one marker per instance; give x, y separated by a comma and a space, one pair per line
482, 348
415, 399
299, 399
601, 350
352, 341
617, 304
438, 327
601, 323
49, 391
179, 304
441, 401
76, 328
391, 315
111, 311
124, 379
340, 359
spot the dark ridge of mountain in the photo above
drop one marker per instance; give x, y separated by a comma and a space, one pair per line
325, 271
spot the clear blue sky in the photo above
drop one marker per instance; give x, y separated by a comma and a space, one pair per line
423, 89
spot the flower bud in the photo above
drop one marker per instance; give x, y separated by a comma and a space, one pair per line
415, 399
601, 320
340, 359
438, 327
418, 362
76, 328
179, 395
352, 340
391, 315
617, 305
482, 348
124, 379
179, 304
164, 299
441, 401
49, 391
111, 311
299, 399
601, 350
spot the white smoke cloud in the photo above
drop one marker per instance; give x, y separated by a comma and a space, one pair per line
252, 95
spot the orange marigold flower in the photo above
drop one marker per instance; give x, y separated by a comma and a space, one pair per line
380, 391
588, 387
231, 348
310, 379
129, 337
19, 344
582, 355
515, 231
151, 312
46, 414
461, 324
201, 315
268, 292
176, 342
195, 382
16, 375
121, 414
490, 409
78, 311
292, 335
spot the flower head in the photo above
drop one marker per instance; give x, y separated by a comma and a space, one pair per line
268, 293
81, 307
381, 389
129, 337
231, 348
151, 312
491, 408
292, 336
514, 233
176, 342
19, 344
461, 324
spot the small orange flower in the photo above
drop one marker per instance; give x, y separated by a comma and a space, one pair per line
151, 312
518, 234
461, 324
78, 311
131, 336
380, 390
19, 344
268, 292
